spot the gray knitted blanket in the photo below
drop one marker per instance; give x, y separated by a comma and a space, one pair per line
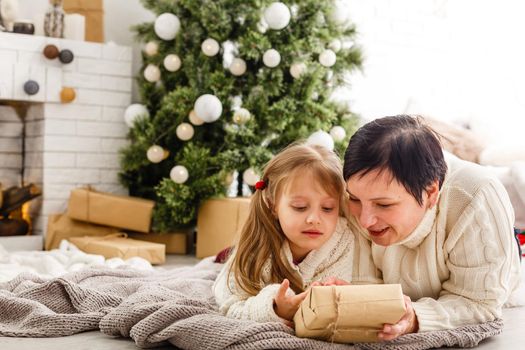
175, 306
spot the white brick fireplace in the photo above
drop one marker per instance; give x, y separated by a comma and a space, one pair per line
60, 146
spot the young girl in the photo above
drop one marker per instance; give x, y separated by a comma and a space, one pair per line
295, 235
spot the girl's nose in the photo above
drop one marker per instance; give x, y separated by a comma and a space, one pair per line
313, 218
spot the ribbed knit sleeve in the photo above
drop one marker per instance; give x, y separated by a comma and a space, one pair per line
238, 304
482, 261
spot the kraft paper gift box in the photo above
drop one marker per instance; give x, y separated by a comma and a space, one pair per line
218, 222
119, 246
93, 11
60, 226
349, 314
111, 210
175, 242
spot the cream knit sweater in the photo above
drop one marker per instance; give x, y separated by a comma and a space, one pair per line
461, 264
334, 258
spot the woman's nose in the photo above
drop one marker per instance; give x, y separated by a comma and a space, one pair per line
367, 218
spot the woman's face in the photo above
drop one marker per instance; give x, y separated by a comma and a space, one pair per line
385, 208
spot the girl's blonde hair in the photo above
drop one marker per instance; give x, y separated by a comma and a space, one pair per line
262, 237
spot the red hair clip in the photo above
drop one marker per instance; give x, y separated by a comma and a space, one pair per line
260, 185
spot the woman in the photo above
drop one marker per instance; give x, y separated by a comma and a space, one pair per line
440, 226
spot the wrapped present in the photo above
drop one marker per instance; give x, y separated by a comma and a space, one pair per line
60, 226
111, 210
175, 242
349, 314
93, 11
118, 245
218, 222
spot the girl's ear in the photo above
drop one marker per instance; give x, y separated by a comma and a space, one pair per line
271, 206
432, 192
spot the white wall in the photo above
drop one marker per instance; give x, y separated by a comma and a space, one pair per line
458, 60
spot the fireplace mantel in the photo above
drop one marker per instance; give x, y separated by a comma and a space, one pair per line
62, 145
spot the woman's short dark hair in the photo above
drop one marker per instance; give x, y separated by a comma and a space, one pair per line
402, 144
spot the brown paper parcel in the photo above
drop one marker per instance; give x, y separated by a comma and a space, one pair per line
60, 226
109, 209
93, 11
218, 223
349, 314
119, 246
175, 242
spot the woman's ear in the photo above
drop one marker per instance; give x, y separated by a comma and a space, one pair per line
432, 192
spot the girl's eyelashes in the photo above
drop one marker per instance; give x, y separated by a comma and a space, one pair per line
303, 208
298, 208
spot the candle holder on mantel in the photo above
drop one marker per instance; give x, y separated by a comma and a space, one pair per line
54, 20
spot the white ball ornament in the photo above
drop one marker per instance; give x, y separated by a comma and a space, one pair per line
271, 58
172, 62
152, 73
241, 116
250, 177
238, 66
167, 25
208, 108
151, 48
277, 15
185, 131
321, 138
236, 102
194, 118
339, 12
338, 133
335, 45
327, 58
262, 26
297, 69
228, 179
133, 112
179, 174
210, 47
155, 154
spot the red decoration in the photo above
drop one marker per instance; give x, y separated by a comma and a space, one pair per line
260, 185
521, 237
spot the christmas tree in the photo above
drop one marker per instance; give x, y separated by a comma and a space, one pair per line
225, 85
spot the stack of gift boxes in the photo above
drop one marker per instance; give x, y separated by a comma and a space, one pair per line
112, 226
119, 226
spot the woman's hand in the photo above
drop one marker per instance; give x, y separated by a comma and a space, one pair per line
286, 306
407, 324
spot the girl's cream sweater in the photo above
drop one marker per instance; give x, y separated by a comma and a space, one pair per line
334, 258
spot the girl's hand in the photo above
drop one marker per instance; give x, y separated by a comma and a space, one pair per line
286, 306
407, 324
330, 281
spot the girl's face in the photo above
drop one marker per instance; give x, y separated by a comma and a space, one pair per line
385, 208
307, 214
